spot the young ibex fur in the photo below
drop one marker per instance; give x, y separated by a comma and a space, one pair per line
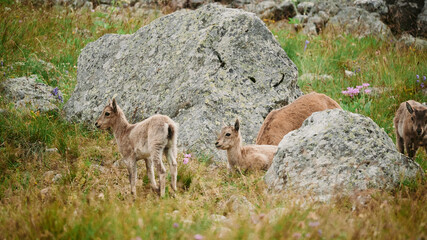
410, 123
281, 121
249, 157
148, 140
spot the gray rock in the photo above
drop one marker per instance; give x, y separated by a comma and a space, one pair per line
360, 22
337, 152
238, 204
198, 67
301, 18
410, 41
378, 6
310, 29
305, 7
32, 93
318, 22
263, 9
48, 176
57, 178
324, 16
349, 73
330, 7
78, 3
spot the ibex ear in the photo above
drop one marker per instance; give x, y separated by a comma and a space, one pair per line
408, 106
237, 125
109, 102
114, 104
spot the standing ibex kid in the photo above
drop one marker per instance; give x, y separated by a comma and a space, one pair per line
148, 140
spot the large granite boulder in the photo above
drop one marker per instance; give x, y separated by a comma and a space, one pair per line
30, 92
198, 67
338, 152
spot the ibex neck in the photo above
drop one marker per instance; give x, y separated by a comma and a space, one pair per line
234, 154
120, 126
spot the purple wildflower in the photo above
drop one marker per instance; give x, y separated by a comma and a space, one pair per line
185, 161
2, 64
306, 43
55, 91
359, 87
319, 232
198, 237
418, 76
367, 90
175, 225
418, 81
422, 85
187, 155
424, 78
60, 98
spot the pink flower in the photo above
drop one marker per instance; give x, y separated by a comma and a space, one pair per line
198, 237
365, 84
187, 155
367, 90
185, 160
175, 225
359, 87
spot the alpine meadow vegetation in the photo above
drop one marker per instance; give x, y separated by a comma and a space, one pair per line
61, 180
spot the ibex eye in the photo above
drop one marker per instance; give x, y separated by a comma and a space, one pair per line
107, 114
228, 134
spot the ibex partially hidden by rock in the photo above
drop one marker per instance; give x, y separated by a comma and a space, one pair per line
280, 122
410, 123
248, 157
148, 140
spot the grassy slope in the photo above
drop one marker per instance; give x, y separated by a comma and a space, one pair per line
93, 202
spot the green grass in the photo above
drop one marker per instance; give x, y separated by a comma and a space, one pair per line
94, 202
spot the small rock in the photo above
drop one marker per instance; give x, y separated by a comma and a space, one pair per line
57, 177
44, 192
101, 196
349, 73
239, 204
50, 150
410, 41
305, 7
48, 176
310, 29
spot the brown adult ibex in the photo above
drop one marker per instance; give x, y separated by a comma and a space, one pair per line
280, 122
